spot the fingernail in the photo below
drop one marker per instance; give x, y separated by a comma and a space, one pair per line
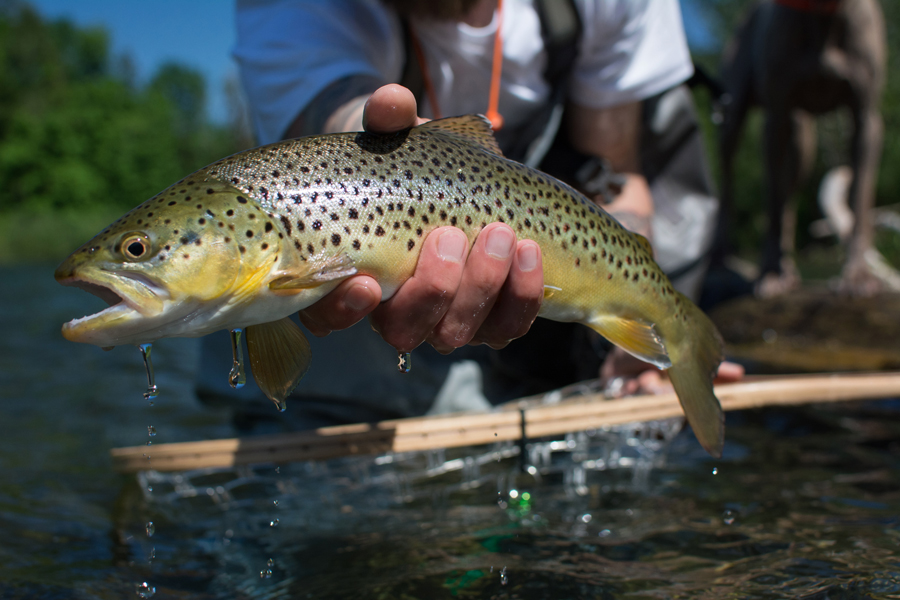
500, 243
452, 245
358, 297
528, 257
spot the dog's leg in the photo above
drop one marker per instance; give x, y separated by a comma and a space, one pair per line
737, 77
857, 277
789, 153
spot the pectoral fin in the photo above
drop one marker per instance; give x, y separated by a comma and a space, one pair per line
313, 273
279, 357
634, 336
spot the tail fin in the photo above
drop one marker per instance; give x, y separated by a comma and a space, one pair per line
694, 365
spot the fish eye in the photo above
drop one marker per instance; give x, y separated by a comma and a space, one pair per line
135, 246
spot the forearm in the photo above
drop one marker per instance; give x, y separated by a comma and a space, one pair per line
611, 133
347, 117
339, 107
614, 135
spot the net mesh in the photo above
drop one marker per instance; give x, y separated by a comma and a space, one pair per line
405, 477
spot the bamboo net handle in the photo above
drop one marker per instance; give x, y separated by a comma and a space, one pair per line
463, 429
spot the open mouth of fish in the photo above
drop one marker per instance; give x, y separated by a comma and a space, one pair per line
130, 296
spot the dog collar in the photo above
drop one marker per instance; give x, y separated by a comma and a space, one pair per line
819, 7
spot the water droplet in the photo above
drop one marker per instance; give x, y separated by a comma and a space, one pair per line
715, 471
281, 405
586, 518
270, 563
144, 590
152, 553
265, 574
151, 430
504, 579
149, 443
404, 362
275, 502
237, 378
604, 533
274, 523
278, 469
149, 488
728, 517
152, 391
151, 528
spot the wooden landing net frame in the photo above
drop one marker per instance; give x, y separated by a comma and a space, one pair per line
524, 419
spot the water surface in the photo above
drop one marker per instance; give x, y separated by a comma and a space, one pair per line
804, 504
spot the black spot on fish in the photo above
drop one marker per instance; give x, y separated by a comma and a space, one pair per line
379, 231
335, 239
410, 245
242, 200
317, 225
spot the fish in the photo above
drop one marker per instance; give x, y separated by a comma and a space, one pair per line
250, 239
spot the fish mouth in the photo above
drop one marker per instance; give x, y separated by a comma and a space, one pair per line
131, 297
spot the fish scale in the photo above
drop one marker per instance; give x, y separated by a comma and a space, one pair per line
256, 236
353, 191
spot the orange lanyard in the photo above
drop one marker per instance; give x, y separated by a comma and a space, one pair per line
492, 113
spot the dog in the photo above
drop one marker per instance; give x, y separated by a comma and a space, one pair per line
797, 59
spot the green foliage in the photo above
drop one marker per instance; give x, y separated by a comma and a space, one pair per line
78, 139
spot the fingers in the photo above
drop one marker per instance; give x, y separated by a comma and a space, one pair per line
487, 267
390, 108
499, 296
406, 319
729, 372
520, 299
352, 300
488, 295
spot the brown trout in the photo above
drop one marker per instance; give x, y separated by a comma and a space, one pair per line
254, 237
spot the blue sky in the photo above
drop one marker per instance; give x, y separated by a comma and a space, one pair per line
197, 33
200, 34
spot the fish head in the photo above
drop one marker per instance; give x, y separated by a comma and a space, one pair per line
173, 266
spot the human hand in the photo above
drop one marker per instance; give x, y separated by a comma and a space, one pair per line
639, 377
488, 294
633, 207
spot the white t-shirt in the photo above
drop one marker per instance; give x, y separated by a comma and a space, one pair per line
290, 50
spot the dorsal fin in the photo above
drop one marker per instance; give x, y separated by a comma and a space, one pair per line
474, 129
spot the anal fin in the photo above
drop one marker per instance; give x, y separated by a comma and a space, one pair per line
279, 357
634, 336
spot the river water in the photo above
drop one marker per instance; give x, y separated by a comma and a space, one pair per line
804, 504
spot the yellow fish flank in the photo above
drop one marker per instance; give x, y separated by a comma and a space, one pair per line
255, 237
